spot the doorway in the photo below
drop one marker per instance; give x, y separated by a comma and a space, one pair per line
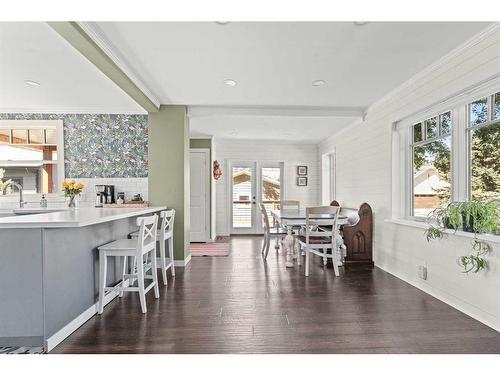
200, 195
251, 183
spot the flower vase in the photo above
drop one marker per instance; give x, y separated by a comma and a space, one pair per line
72, 201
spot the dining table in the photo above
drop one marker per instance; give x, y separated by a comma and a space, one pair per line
293, 220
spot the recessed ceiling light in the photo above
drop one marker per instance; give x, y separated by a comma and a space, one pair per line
360, 23
230, 82
31, 83
318, 82
222, 23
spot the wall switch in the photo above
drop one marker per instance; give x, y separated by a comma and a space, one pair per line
422, 272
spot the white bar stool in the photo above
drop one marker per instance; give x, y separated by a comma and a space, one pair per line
144, 244
165, 236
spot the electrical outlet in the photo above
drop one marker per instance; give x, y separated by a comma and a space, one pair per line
422, 272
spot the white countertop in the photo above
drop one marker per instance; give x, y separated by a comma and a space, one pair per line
71, 218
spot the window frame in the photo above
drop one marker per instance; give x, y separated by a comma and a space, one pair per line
461, 161
411, 148
44, 124
470, 128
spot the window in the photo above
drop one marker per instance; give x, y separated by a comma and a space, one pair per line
449, 153
431, 164
31, 155
484, 148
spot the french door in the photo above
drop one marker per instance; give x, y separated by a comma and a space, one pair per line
253, 182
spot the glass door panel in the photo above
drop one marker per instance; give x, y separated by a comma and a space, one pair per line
243, 197
270, 188
251, 183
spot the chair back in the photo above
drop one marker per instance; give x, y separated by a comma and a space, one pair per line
290, 205
167, 218
146, 240
265, 218
326, 217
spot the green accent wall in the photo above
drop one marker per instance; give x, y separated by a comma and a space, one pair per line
200, 143
168, 162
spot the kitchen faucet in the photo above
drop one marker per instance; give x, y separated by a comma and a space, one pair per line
19, 188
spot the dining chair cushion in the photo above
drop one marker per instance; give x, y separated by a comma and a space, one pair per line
277, 231
315, 240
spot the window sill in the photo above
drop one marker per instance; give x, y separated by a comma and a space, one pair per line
423, 225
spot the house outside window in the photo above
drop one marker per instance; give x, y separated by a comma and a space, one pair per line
31, 154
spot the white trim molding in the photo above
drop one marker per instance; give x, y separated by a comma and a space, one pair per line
112, 52
276, 111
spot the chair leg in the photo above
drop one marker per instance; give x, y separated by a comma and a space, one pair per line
102, 280
140, 284
325, 259
263, 250
171, 254
124, 271
335, 263
307, 263
154, 270
163, 262
277, 243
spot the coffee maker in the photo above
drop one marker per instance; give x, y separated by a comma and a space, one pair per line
105, 194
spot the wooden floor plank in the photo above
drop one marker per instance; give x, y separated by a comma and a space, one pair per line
240, 304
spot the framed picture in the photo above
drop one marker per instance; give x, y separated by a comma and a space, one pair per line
302, 170
301, 181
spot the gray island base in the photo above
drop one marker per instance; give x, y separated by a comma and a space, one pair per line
49, 271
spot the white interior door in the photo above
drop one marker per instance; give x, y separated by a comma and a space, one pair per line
200, 197
251, 183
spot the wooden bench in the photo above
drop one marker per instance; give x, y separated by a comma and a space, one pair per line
358, 238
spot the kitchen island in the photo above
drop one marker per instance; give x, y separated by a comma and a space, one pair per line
49, 270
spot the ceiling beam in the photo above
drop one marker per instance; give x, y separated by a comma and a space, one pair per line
275, 111
75, 35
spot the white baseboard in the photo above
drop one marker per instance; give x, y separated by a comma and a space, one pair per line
466, 308
182, 263
76, 323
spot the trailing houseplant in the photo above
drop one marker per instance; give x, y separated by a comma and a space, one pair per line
475, 217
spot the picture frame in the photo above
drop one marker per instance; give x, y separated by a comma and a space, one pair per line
302, 170
301, 181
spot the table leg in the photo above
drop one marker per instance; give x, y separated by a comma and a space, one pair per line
289, 243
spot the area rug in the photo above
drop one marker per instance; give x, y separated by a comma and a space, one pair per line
214, 249
21, 350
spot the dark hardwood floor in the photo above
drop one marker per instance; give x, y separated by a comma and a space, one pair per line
239, 304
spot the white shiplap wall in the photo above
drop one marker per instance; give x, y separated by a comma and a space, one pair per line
363, 160
291, 155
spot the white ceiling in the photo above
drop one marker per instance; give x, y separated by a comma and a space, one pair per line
68, 82
274, 65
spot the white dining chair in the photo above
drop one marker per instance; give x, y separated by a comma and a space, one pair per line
269, 231
319, 241
137, 248
165, 236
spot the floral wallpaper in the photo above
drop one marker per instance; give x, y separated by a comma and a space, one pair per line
100, 145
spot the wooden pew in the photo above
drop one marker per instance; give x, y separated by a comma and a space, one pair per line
358, 238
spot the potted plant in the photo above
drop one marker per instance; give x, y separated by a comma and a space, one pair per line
475, 217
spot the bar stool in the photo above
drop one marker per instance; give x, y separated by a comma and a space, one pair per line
144, 244
165, 236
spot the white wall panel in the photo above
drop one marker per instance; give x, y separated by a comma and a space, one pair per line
363, 159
